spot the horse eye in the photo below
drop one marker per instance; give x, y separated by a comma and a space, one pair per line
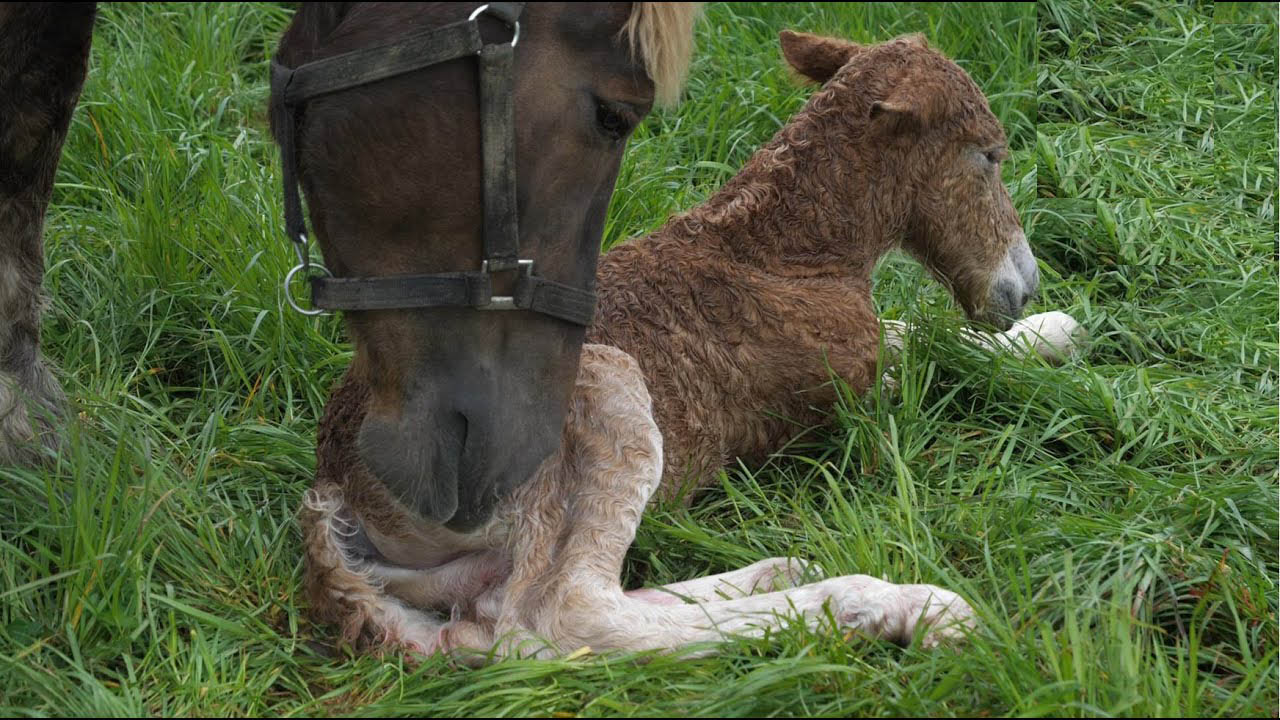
992, 157
614, 120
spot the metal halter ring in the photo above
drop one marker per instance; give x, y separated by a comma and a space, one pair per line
288, 295
304, 264
480, 11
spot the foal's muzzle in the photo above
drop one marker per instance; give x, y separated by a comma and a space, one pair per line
1014, 284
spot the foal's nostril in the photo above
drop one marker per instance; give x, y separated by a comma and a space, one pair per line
1024, 297
1009, 296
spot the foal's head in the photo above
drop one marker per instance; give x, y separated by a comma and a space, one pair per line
466, 404
931, 131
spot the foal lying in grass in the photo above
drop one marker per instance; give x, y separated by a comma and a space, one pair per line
726, 312
734, 309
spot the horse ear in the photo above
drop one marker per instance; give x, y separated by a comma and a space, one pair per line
306, 34
817, 58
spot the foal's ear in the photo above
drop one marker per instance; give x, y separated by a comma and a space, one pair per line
895, 117
817, 58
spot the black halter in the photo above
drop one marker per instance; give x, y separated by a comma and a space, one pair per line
291, 88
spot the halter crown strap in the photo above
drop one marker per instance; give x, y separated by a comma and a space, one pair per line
497, 107
291, 88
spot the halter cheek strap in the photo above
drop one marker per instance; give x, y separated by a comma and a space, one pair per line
291, 88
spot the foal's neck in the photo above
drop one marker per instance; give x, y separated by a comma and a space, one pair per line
817, 200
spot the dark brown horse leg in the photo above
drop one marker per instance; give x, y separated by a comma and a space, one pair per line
44, 53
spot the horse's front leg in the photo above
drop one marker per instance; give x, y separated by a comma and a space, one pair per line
44, 53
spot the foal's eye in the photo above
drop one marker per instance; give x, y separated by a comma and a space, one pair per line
615, 120
995, 155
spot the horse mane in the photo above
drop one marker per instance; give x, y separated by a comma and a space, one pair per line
662, 34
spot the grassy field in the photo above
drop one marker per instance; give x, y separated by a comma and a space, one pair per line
1114, 521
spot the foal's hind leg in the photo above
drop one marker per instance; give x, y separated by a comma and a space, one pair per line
770, 574
571, 527
44, 52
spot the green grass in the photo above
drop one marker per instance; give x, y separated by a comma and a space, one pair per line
1114, 521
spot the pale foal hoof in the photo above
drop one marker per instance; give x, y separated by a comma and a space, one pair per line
947, 616
461, 642
1054, 336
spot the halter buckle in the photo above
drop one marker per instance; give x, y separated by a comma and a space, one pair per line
504, 302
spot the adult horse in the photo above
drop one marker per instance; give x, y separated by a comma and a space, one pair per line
384, 118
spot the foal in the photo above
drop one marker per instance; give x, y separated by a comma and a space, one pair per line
738, 310
727, 311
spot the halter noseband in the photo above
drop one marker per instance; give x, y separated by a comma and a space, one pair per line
291, 88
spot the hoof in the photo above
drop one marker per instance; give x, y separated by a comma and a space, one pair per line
31, 417
1054, 336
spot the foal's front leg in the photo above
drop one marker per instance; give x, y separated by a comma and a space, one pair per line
44, 52
1054, 336
351, 593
